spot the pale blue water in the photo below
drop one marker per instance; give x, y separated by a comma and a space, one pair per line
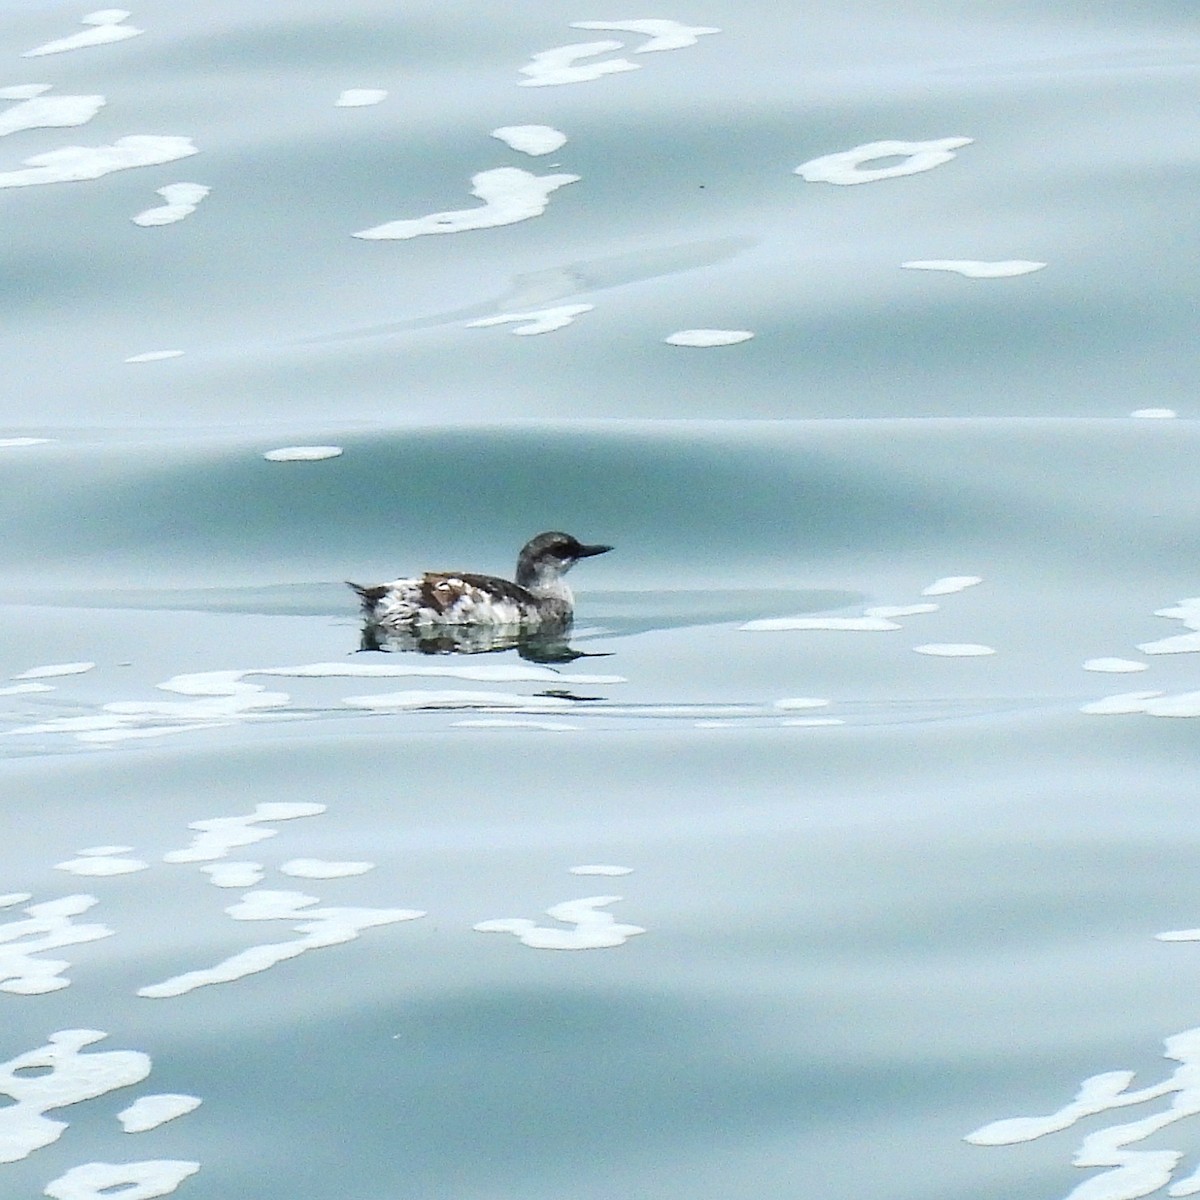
865, 937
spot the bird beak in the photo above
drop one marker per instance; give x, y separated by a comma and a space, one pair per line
588, 551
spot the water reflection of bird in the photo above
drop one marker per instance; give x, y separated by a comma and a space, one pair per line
459, 613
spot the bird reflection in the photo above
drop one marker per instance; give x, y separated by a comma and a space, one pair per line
550, 643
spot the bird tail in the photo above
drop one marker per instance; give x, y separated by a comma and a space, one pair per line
368, 594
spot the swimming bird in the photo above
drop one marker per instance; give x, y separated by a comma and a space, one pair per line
538, 599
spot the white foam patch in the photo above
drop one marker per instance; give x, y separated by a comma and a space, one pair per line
319, 927
54, 670
600, 869
1113, 666
154, 356
509, 195
216, 836
541, 320
181, 200
795, 703
102, 28
103, 851
1131, 1173
234, 874
1119, 705
24, 91
360, 97
72, 1077
149, 1112
479, 672
101, 865
24, 441
951, 584
74, 164
955, 649
846, 166
852, 624
320, 868
974, 268
302, 453
550, 68
46, 926
889, 612
1186, 611
11, 898
137, 1180
50, 112
812, 722
417, 700
593, 928
708, 337
663, 34
531, 139
1154, 414
498, 723
24, 689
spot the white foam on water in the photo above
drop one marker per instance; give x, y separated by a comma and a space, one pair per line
54, 670
50, 112
955, 649
890, 612
102, 28
509, 195
320, 927
1119, 705
103, 851
708, 337
811, 722
681, 710
360, 97
1154, 414
25, 441
149, 1112
46, 926
531, 139
663, 34
793, 703
480, 672
1187, 611
154, 356
24, 689
593, 928
216, 836
416, 700
846, 166
497, 723
974, 268
951, 584
101, 865
74, 164
319, 868
853, 624
550, 68
302, 453
1184, 704
1132, 1173
11, 898
181, 200
541, 320
234, 874
137, 1180
600, 869
72, 1077
1113, 666
24, 91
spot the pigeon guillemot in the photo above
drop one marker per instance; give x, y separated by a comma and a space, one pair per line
539, 598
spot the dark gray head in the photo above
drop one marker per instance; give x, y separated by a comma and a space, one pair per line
550, 554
